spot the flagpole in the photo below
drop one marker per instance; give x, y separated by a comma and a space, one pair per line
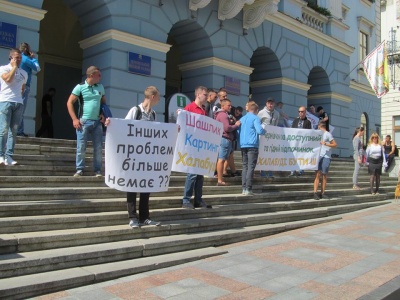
363, 60
353, 69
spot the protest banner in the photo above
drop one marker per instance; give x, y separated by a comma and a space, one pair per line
198, 143
139, 155
288, 149
314, 122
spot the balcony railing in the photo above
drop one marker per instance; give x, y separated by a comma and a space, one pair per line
313, 19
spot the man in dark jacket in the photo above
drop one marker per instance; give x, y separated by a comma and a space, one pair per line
301, 122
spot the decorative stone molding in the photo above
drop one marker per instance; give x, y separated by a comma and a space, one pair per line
361, 88
281, 81
365, 25
22, 10
217, 62
331, 95
254, 14
306, 31
196, 4
128, 38
227, 9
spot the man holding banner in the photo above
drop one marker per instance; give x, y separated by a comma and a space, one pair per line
134, 167
195, 181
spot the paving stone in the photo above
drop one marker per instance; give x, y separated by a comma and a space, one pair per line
294, 293
308, 255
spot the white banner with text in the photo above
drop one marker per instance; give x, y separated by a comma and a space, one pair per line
289, 149
198, 144
139, 155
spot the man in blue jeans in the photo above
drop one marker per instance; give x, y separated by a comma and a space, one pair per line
12, 85
249, 131
91, 95
29, 63
194, 182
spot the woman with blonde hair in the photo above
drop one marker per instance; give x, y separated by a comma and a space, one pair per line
358, 154
375, 159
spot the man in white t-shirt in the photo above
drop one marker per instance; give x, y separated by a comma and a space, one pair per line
12, 86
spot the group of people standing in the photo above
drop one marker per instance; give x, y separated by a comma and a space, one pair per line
377, 155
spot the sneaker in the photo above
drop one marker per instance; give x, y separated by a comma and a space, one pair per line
98, 174
2, 160
150, 222
202, 204
187, 206
133, 223
316, 196
244, 192
249, 193
78, 173
10, 162
323, 196
292, 174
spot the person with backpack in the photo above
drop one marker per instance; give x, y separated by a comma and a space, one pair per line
143, 112
91, 95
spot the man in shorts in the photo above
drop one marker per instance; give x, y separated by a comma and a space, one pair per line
327, 143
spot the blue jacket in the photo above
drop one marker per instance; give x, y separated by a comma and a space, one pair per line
29, 64
249, 131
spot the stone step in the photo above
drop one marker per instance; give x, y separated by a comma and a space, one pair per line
24, 263
102, 191
34, 241
70, 206
176, 180
61, 221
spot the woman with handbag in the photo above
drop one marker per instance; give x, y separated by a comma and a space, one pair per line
375, 159
358, 155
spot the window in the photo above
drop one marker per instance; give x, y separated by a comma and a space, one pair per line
363, 45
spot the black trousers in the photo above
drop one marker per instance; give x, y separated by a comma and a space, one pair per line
143, 206
47, 127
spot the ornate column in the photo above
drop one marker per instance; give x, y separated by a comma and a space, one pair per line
254, 14
196, 4
227, 9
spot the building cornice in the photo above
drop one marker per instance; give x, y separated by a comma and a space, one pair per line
215, 62
128, 38
331, 96
22, 10
62, 61
361, 88
306, 31
281, 81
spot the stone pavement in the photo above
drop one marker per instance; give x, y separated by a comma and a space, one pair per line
356, 257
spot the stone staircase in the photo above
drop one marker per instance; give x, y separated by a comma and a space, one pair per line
58, 231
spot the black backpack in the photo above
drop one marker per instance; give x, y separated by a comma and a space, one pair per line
139, 113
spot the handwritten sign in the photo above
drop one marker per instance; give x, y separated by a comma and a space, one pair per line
197, 145
139, 155
288, 149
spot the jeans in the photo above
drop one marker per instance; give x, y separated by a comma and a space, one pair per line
193, 181
10, 116
88, 127
357, 167
249, 161
25, 97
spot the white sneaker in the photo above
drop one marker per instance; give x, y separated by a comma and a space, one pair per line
133, 223
2, 161
10, 162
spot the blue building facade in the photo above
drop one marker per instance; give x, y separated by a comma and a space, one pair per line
282, 49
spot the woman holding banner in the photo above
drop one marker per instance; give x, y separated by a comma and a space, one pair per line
358, 155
